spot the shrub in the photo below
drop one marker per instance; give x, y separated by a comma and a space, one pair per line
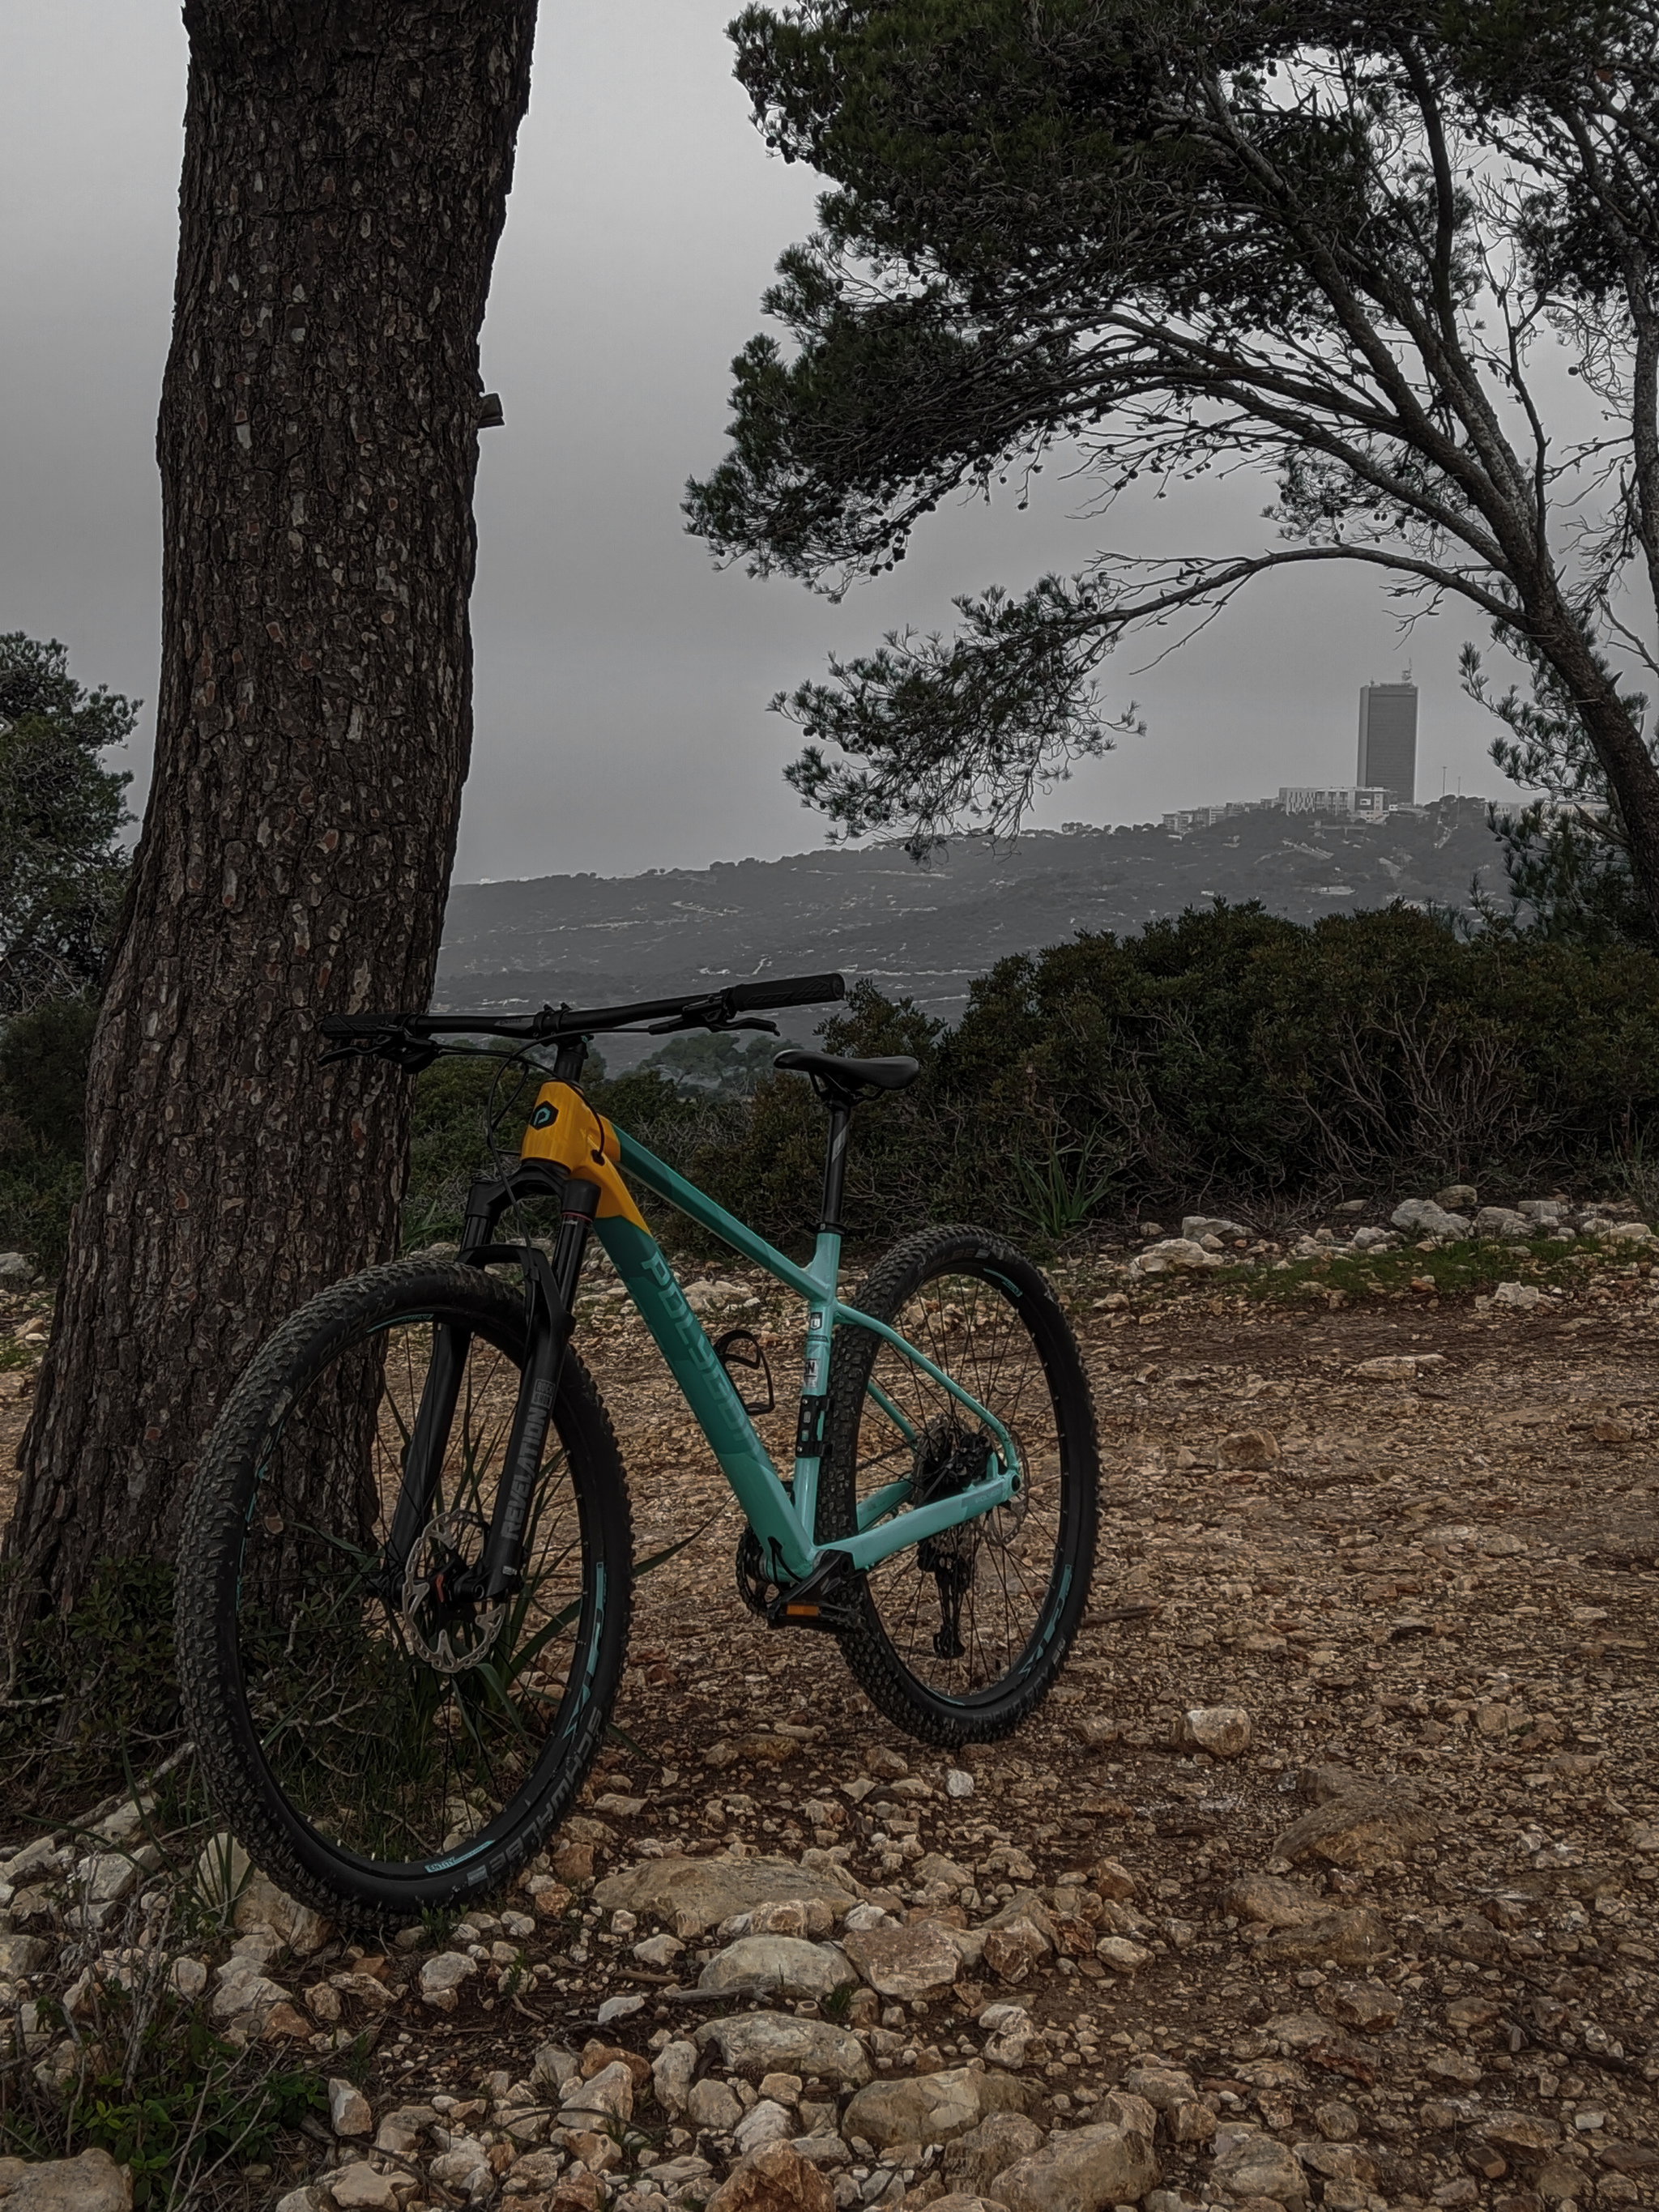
1226, 1055
43, 1134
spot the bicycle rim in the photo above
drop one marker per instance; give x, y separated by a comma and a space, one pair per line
965, 1630
388, 1745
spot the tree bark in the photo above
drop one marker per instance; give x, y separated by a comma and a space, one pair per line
345, 177
1615, 738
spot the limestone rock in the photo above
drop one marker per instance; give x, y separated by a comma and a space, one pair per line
1011, 2032
464, 2166
918, 1960
1252, 2165
972, 2163
775, 2179
348, 2109
1172, 1255
1500, 1225
1201, 1225
1352, 1938
1191, 2121
931, 2107
767, 2121
359, 2188
813, 1917
1160, 2086
671, 2075
1528, 2133
1272, 1902
694, 1895
442, 1978
1367, 2005
1122, 1956
1363, 1829
780, 1964
222, 1871
934, 1866
243, 1989
261, 1905
773, 2042
1083, 2171
22, 1954
1133, 2114
1523, 1295
553, 2066
1223, 1731
712, 2105
1251, 1450
1426, 1217
91, 2183
608, 2096
400, 2131
1018, 1937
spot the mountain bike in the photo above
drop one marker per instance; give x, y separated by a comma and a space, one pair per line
407, 1565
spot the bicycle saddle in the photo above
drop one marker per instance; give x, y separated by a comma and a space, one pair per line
847, 1080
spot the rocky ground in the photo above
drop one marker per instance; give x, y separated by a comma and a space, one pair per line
1327, 1875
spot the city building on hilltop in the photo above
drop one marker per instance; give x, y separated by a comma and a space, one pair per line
1367, 800
1388, 740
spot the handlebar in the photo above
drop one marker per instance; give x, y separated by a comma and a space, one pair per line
405, 1033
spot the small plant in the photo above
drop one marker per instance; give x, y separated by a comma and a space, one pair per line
1062, 1191
142, 2076
439, 1922
92, 1697
837, 2005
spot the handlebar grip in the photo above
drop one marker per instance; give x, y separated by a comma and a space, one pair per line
788, 991
354, 1025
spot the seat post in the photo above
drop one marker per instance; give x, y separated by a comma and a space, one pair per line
835, 1164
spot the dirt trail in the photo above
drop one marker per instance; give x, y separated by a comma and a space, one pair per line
1444, 1585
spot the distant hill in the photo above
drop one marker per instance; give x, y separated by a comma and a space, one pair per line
929, 932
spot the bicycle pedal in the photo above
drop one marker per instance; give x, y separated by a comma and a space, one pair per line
829, 1598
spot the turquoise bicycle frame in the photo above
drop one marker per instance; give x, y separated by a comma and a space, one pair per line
784, 1523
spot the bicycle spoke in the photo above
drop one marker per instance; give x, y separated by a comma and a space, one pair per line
959, 1610
373, 1745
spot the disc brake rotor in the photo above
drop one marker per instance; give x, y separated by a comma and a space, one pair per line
446, 1631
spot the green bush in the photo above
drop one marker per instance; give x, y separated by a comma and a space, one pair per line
43, 1133
95, 1695
1226, 1056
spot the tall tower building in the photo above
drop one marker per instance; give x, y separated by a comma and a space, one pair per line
1388, 740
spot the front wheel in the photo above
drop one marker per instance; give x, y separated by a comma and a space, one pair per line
377, 1745
960, 1637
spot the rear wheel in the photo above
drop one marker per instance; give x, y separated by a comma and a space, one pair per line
376, 1748
961, 1635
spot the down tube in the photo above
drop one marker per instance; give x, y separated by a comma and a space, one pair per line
719, 1412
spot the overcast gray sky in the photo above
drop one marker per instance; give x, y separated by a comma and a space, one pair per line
621, 682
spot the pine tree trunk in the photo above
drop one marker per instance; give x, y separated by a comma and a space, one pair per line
345, 179
1615, 737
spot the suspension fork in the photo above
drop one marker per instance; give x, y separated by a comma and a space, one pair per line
550, 1290
487, 1200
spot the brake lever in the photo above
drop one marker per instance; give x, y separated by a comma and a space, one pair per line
712, 1022
409, 1053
